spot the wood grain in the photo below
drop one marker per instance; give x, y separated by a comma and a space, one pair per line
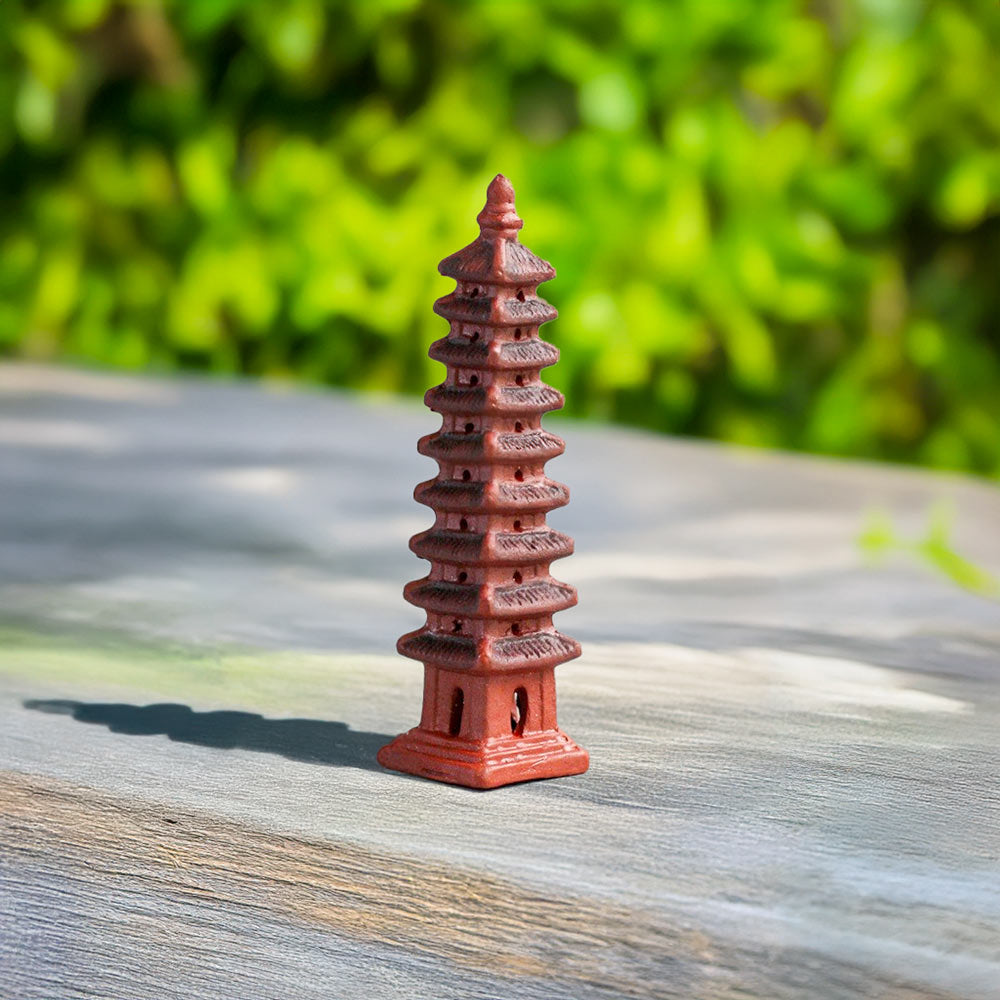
795, 757
136, 857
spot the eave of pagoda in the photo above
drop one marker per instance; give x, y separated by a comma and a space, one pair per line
493, 399
487, 654
535, 598
497, 261
496, 355
495, 310
492, 548
495, 496
510, 447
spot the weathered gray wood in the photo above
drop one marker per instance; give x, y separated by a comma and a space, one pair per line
794, 787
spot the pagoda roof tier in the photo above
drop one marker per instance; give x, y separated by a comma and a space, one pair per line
497, 261
532, 598
477, 400
496, 355
492, 548
493, 446
496, 257
495, 310
537, 650
491, 497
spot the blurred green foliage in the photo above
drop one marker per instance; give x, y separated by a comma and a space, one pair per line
775, 221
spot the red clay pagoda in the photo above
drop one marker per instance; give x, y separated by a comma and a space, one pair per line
489, 648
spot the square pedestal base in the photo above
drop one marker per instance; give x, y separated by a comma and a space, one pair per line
484, 763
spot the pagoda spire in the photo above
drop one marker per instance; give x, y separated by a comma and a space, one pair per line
488, 646
499, 218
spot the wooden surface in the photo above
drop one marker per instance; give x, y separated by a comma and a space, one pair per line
795, 780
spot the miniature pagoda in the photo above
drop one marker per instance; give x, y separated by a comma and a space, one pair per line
489, 648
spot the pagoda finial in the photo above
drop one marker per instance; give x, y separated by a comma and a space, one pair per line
499, 219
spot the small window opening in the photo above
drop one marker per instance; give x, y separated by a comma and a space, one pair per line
474, 380
473, 293
469, 428
463, 525
517, 576
519, 475
520, 295
456, 626
466, 475
462, 577
475, 336
519, 379
518, 426
457, 705
515, 629
517, 334
517, 525
519, 712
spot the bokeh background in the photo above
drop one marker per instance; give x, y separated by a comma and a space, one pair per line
775, 222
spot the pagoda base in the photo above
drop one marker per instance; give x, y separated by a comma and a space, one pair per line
484, 763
